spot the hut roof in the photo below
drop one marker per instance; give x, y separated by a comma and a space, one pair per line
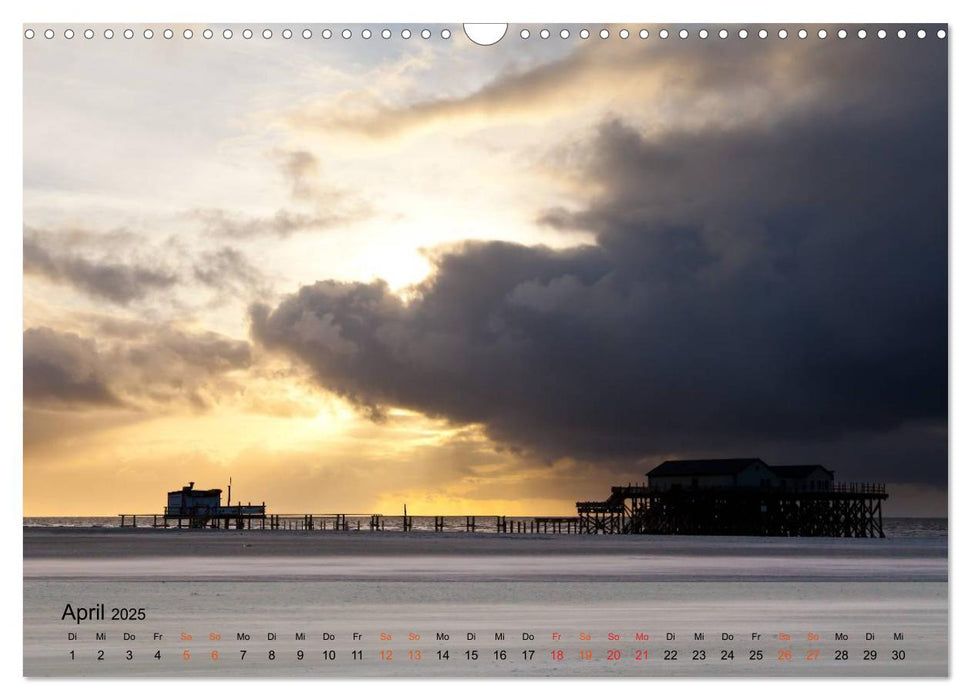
704, 467
798, 471
196, 492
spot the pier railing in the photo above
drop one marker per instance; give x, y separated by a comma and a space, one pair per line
501, 524
859, 487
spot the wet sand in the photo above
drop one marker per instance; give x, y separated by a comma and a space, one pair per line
394, 556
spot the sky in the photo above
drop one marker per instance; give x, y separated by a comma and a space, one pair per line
354, 274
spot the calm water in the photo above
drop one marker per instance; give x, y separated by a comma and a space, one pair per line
893, 527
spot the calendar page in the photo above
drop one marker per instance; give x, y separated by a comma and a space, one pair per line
520, 350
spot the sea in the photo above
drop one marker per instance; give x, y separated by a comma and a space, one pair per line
893, 527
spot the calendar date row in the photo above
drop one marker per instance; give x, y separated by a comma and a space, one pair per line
496, 655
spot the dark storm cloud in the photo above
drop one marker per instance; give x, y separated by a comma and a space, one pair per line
778, 281
63, 368
142, 365
115, 281
206, 351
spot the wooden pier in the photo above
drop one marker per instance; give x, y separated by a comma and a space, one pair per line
688, 497
843, 510
192, 508
343, 522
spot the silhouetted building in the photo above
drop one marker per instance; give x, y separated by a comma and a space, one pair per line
192, 501
745, 473
203, 507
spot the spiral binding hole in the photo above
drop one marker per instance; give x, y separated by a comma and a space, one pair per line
445, 33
